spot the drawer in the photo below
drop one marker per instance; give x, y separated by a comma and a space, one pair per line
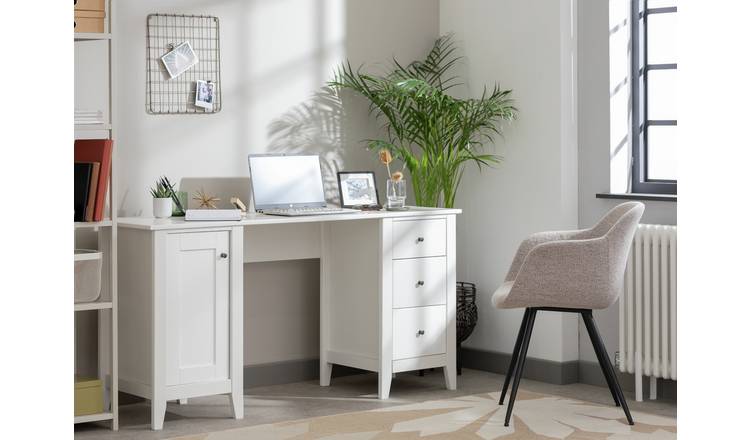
418, 331
419, 238
419, 282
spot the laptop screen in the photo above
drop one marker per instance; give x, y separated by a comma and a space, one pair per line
280, 181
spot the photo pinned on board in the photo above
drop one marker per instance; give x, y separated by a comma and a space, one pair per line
204, 94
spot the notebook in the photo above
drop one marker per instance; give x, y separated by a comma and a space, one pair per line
81, 184
213, 214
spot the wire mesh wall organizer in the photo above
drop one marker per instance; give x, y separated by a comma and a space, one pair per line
177, 95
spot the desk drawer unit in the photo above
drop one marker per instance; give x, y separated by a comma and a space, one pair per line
419, 238
419, 282
418, 331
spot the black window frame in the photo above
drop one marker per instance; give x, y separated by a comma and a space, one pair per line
639, 97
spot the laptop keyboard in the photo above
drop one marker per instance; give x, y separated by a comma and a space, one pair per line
304, 211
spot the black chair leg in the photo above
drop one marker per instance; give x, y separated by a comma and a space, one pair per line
521, 361
514, 357
607, 368
602, 364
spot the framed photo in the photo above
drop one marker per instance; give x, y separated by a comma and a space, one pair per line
204, 94
357, 189
179, 59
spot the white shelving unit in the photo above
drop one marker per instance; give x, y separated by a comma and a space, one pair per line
81, 36
106, 237
95, 417
93, 225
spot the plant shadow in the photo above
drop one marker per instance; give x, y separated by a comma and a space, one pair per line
315, 127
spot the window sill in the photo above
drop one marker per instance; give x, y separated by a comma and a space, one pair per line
637, 196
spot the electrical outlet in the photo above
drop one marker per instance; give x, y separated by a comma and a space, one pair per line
617, 359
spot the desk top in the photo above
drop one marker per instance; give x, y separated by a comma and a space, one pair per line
157, 224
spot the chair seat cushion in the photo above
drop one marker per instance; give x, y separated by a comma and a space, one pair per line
501, 294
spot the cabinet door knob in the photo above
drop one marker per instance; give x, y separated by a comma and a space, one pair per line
420, 283
223, 255
420, 333
420, 239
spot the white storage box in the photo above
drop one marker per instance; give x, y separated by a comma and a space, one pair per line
88, 275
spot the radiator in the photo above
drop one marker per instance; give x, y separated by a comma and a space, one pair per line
648, 308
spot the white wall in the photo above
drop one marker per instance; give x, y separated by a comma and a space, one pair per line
527, 46
275, 55
600, 60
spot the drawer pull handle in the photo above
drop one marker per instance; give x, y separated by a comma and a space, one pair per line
223, 255
420, 239
420, 283
420, 333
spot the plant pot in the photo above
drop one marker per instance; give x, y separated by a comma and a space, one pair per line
163, 207
182, 196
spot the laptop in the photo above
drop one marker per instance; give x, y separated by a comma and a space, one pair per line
289, 185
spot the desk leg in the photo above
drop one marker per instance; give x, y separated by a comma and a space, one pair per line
237, 292
385, 375
238, 405
326, 368
158, 324
449, 370
384, 384
158, 410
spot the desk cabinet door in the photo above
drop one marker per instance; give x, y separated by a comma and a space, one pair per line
197, 307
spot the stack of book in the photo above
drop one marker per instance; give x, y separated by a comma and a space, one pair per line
88, 117
93, 161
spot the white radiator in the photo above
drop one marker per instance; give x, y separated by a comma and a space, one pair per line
648, 307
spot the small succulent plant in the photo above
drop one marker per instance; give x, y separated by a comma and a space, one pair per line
165, 189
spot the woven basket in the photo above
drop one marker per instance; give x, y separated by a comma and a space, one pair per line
466, 310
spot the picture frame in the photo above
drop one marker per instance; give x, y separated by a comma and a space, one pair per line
358, 189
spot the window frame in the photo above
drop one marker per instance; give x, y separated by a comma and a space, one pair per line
639, 100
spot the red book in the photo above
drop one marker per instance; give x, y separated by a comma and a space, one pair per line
96, 150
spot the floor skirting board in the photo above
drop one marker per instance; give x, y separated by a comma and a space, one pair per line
559, 373
277, 373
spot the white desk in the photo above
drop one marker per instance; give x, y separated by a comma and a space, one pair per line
387, 297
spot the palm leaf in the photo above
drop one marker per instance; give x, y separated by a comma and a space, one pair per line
433, 133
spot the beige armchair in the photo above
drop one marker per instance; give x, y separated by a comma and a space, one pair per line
569, 271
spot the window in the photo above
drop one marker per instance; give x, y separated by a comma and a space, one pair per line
654, 64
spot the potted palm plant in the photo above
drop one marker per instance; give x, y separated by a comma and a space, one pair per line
433, 133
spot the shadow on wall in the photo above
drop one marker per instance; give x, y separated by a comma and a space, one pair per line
222, 187
314, 126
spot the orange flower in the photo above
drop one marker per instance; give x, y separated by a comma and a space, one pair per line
385, 156
397, 176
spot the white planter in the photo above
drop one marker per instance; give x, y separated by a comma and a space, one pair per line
163, 207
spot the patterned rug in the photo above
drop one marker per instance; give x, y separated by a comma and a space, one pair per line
535, 416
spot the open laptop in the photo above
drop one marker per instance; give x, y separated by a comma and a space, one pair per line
289, 185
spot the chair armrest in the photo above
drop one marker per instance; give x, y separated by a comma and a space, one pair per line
564, 273
536, 239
